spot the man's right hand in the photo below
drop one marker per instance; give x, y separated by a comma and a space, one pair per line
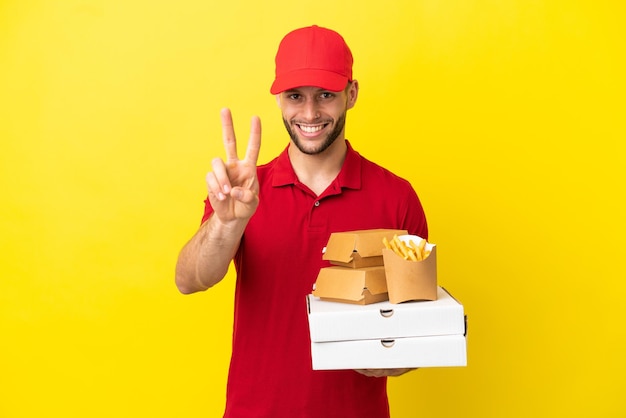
233, 185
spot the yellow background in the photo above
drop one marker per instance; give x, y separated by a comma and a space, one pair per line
507, 117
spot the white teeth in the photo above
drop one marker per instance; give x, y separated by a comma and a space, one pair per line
311, 129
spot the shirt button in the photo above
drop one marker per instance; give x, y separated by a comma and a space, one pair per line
317, 203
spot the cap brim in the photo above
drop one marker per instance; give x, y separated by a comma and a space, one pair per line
326, 80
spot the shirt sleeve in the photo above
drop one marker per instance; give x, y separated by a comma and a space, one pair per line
208, 210
415, 218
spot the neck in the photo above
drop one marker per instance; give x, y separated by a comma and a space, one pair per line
318, 171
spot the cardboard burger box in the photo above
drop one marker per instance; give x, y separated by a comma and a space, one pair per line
355, 249
360, 286
387, 335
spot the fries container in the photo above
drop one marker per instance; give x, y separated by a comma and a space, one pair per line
411, 280
355, 249
360, 286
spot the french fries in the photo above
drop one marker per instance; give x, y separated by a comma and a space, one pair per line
413, 251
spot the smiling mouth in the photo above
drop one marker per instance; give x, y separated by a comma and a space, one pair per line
311, 129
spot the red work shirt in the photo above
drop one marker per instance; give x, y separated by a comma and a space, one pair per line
277, 264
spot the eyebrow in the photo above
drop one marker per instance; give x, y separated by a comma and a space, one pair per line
299, 90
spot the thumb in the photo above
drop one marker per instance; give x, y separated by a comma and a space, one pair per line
243, 195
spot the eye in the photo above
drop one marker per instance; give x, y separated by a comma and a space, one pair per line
293, 96
327, 95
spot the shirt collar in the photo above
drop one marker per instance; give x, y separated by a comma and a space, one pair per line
348, 177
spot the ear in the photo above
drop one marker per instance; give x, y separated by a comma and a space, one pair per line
353, 93
278, 100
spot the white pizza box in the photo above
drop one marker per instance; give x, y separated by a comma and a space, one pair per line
335, 321
412, 352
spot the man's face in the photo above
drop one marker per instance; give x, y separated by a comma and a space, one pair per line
315, 117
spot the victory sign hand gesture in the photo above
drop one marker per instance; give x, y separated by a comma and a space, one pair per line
233, 185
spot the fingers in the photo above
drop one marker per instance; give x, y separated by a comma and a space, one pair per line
384, 372
254, 142
218, 181
230, 141
233, 173
228, 135
220, 186
243, 195
221, 190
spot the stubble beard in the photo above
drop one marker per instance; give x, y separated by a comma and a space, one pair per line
328, 141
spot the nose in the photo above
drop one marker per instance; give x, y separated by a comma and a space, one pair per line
311, 111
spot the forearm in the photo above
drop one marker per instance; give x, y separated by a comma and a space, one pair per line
205, 259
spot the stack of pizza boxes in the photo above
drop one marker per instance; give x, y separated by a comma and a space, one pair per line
374, 309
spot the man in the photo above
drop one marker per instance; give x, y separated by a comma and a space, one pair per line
272, 221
